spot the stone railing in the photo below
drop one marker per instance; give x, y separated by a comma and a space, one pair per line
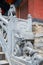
13, 30
3, 36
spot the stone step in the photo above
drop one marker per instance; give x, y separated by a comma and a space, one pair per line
2, 56
3, 62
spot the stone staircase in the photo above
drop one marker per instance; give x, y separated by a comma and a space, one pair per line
3, 60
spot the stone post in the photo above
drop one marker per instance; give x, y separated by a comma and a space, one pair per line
30, 22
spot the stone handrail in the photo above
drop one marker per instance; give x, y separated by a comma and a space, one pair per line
13, 28
4, 25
